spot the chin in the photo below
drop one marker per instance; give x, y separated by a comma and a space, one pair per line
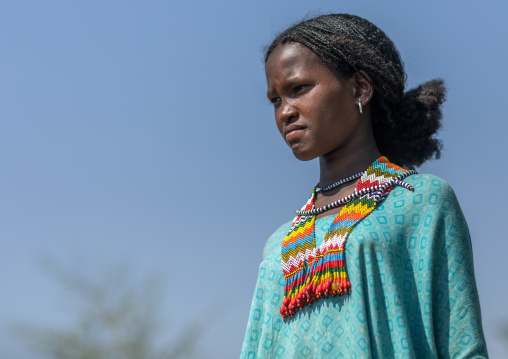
303, 156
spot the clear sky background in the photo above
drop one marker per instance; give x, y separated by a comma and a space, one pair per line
140, 132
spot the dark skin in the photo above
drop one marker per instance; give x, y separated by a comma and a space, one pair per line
318, 115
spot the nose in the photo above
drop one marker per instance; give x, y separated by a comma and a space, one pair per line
287, 113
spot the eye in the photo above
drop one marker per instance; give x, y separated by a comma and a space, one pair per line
274, 100
299, 88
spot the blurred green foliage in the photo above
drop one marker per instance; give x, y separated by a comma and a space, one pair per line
116, 317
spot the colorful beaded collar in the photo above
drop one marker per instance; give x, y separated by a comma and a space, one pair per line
311, 273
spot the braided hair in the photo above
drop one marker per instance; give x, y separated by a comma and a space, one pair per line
404, 123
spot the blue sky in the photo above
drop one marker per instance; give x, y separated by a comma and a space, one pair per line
140, 132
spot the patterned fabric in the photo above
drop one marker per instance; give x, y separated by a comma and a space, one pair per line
310, 272
413, 289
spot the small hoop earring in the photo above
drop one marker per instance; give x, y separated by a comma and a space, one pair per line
360, 106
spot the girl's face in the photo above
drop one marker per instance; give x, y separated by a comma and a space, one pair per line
315, 112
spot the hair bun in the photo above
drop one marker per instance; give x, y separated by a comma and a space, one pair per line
406, 137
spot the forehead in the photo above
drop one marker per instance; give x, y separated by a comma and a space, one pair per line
292, 60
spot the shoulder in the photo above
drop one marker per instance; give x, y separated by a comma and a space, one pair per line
274, 242
431, 204
427, 180
432, 197
428, 190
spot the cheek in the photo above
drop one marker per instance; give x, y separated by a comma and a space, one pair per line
339, 110
329, 105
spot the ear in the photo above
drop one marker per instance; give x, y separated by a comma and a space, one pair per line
363, 87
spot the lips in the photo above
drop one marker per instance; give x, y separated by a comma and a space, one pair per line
292, 131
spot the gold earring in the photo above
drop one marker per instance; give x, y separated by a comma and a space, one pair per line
360, 106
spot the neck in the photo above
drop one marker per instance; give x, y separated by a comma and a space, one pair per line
346, 161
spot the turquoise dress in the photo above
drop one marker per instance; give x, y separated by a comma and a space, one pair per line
413, 287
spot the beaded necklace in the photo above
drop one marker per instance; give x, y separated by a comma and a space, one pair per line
338, 183
311, 273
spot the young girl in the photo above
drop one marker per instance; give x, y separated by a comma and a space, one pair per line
378, 262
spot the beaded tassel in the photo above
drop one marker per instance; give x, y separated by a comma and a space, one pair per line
312, 273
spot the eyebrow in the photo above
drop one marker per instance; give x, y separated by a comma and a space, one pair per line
269, 94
